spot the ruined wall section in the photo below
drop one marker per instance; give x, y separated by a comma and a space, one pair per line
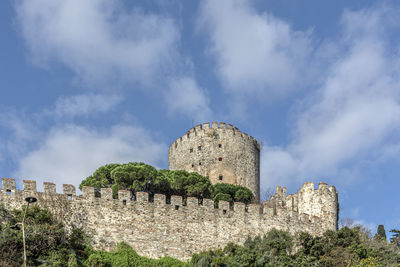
220, 152
319, 203
156, 229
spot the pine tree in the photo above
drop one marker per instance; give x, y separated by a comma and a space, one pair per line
381, 233
395, 239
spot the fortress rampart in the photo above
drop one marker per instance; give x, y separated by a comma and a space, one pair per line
220, 152
183, 227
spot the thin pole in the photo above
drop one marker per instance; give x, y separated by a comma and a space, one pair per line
23, 233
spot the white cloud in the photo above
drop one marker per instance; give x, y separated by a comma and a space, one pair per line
71, 153
85, 104
106, 46
98, 39
278, 167
68, 153
348, 121
186, 97
24, 130
256, 53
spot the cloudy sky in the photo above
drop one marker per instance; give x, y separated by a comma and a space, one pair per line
85, 83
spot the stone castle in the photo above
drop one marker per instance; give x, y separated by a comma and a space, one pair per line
182, 227
223, 154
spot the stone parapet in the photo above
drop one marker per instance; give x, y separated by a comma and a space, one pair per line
157, 227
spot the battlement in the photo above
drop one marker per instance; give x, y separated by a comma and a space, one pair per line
126, 198
206, 129
316, 202
179, 227
219, 151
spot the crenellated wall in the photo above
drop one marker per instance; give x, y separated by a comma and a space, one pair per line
220, 152
320, 202
181, 228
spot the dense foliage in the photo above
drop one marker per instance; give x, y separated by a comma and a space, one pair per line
230, 193
395, 239
346, 247
124, 255
142, 177
48, 244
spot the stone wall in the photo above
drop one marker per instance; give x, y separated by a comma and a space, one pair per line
220, 152
181, 228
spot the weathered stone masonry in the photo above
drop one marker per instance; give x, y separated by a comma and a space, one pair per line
156, 229
220, 152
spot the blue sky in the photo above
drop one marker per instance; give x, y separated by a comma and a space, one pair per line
85, 83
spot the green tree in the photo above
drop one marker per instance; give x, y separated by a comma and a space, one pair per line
130, 176
274, 249
142, 177
186, 184
380, 233
346, 247
101, 178
221, 196
395, 239
236, 193
124, 255
243, 194
134, 176
47, 242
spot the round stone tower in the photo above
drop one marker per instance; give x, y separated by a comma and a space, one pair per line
220, 152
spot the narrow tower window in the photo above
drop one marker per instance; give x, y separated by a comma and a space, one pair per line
219, 159
199, 148
192, 165
220, 177
219, 145
199, 163
191, 150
